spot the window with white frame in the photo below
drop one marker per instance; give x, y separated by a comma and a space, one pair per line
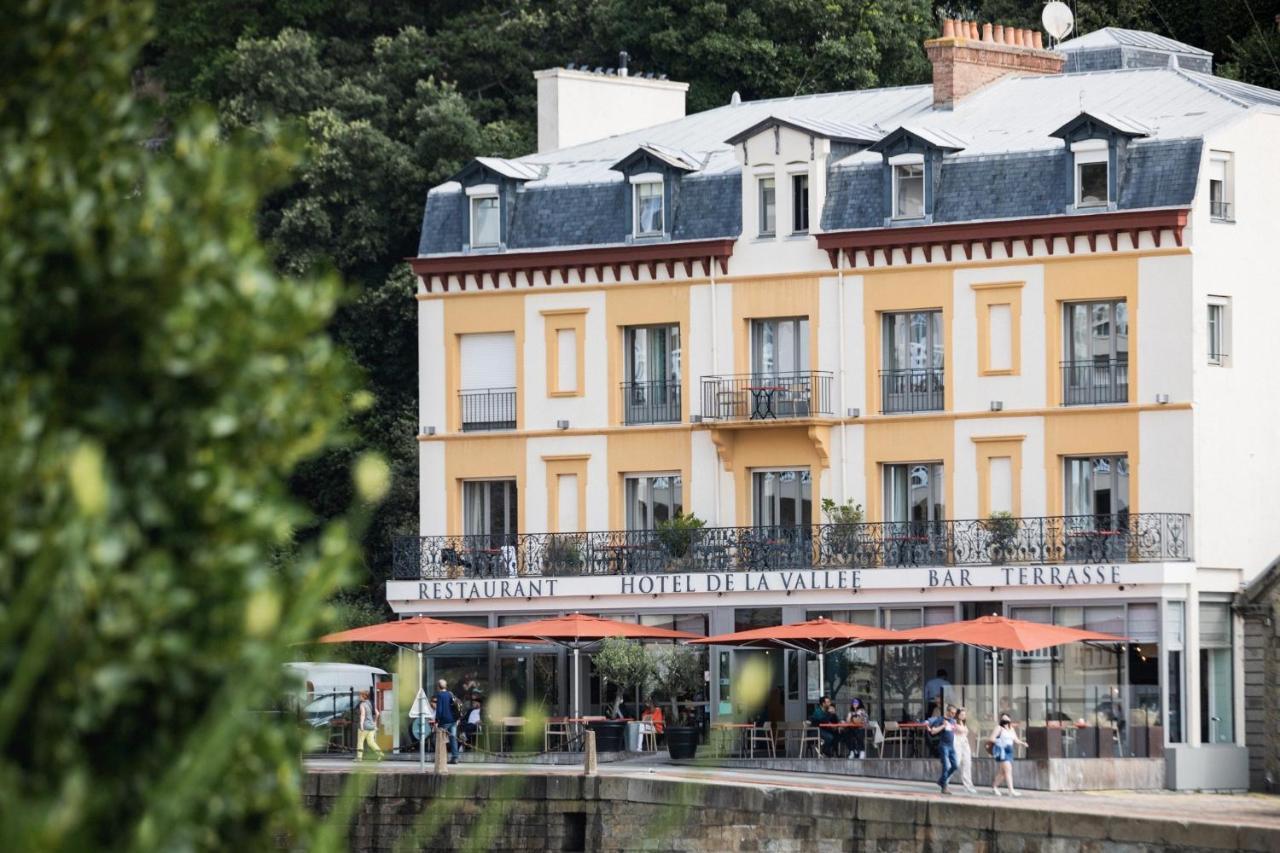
799, 204
908, 190
768, 194
647, 195
486, 222
1218, 329
1092, 177
1220, 189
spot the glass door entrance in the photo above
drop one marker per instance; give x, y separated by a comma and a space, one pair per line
532, 680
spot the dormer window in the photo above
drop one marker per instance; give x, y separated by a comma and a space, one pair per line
908, 190
1092, 173
647, 205
768, 207
486, 221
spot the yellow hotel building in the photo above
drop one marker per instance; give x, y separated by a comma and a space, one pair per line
995, 344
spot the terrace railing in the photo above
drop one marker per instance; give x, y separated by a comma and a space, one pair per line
651, 402
1094, 383
766, 396
1121, 538
488, 409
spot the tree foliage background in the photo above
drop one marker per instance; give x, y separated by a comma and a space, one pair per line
394, 96
159, 383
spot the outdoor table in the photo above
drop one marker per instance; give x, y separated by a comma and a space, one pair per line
733, 731
762, 401
840, 727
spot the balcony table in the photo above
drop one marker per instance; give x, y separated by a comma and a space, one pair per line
762, 401
620, 559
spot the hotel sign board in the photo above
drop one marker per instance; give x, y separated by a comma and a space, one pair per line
777, 581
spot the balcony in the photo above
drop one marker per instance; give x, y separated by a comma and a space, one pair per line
912, 390
1123, 538
766, 396
1220, 211
1095, 383
651, 402
488, 409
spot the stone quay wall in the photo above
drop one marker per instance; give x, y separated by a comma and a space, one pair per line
525, 812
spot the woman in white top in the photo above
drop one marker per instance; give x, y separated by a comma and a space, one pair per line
1002, 741
964, 752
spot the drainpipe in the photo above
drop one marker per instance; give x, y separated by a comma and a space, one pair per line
715, 371
844, 398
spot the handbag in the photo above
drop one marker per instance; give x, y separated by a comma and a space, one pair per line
991, 747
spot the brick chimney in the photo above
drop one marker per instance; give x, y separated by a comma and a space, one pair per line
968, 57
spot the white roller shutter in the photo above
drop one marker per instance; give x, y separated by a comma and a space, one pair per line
488, 361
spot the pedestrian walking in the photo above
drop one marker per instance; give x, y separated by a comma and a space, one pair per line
944, 728
964, 751
366, 727
1001, 744
446, 718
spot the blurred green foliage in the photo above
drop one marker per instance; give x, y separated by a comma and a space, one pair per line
159, 383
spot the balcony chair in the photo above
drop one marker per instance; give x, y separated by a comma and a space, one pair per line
787, 733
555, 732
811, 739
894, 736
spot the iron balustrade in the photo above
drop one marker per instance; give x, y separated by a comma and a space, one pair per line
1081, 539
912, 390
651, 402
1220, 210
765, 396
488, 409
1093, 383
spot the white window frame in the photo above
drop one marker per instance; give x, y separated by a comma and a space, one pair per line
1087, 153
1227, 214
1221, 306
772, 229
475, 195
896, 164
648, 179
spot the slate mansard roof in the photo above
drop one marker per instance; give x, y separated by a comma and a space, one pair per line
1009, 165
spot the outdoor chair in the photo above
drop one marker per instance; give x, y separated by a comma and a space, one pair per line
648, 737
811, 739
789, 733
894, 736
337, 736
762, 736
555, 732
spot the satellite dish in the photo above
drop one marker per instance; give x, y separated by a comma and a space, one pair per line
1058, 20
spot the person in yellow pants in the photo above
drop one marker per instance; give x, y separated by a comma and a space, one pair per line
367, 726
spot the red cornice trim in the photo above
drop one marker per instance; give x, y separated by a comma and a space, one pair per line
970, 234
633, 256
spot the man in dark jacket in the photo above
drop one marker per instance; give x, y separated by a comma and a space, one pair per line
446, 719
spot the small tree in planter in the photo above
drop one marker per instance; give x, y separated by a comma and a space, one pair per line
678, 671
625, 664
677, 535
846, 521
1002, 527
562, 556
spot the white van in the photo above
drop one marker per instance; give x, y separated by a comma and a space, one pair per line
325, 691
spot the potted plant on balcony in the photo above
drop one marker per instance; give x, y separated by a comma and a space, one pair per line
562, 556
678, 671
676, 536
626, 665
1002, 530
844, 525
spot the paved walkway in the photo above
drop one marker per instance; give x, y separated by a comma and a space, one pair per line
1230, 809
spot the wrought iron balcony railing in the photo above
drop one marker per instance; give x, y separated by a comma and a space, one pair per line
651, 402
488, 409
1093, 383
764, 396
915, 390
1081, 539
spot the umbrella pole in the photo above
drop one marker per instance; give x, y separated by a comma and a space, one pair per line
822, 668
576, 715
422, 725
995, 685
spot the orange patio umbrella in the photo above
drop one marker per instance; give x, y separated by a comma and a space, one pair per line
420, 632
816, 636
997, 633
577, 631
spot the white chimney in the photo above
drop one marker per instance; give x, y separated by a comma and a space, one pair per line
576, 106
